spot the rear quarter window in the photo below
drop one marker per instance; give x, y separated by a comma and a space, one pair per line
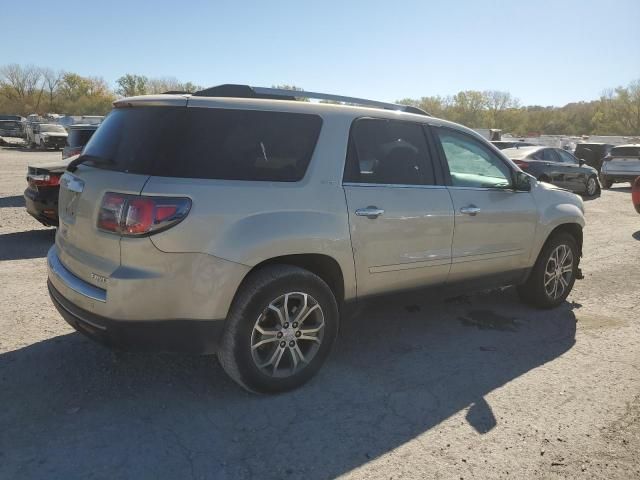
206, 143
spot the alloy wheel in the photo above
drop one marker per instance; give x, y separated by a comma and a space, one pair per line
558, 271
592, 186
287, 335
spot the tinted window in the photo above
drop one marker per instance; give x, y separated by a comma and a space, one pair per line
79, 137
206, 143
548, 155
388, 152
566, 157
625, 152
472, 164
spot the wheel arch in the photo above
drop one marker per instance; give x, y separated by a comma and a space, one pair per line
324, 266
573, 229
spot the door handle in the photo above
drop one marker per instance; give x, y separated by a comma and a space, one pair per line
470, 210
369, 212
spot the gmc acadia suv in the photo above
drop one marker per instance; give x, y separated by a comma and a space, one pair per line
236, 222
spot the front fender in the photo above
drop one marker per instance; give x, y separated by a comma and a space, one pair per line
557, 207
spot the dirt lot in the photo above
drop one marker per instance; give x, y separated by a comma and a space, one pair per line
473, 387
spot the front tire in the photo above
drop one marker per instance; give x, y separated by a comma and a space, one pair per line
553, 274
280, 329
592, 188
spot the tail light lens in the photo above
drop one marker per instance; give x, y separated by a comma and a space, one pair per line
635, 194
46, 180
521, 163
136, 215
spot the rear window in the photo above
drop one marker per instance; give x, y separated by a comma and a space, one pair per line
206, 143
79, 137
586, 149
625, 152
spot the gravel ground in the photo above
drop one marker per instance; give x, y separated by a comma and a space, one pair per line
472, 387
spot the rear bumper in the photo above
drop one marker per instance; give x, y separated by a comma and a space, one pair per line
87, 309
619, 175
42, 208
184, 336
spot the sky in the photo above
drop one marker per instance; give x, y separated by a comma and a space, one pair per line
543, 52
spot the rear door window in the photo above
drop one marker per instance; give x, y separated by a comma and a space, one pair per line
388, 152
548, 155
206, 143
566, 157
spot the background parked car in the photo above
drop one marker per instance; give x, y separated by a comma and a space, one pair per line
11, 128
592, 153
621, 165
635, 194
557, 166
169, 213
502, 144
46, 135
41, 195
78, 137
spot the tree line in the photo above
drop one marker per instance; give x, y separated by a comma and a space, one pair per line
616, 112
31, 89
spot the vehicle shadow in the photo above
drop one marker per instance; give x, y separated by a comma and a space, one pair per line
636, 235
72, 408
620, 189
14, 201
27, 244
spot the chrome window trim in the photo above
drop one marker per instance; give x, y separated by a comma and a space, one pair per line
485, 189
71, 281
392, 185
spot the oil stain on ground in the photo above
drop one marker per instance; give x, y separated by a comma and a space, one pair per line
488, 320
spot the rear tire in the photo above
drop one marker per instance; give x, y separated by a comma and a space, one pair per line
551, 281
265, 347
606, 183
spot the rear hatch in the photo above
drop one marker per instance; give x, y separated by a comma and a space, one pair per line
118, 158
624, 160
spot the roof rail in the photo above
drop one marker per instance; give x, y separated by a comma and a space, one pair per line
245, 91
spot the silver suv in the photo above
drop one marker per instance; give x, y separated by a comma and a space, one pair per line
238, 222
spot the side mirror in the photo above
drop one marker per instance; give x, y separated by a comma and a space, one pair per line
581, 161
522, 182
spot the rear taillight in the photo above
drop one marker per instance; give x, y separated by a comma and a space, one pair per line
521, 163
134, 215
47, 180
635, 194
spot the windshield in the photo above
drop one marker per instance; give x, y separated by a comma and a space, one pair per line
52, 128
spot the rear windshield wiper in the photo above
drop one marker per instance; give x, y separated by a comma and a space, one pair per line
72, 167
